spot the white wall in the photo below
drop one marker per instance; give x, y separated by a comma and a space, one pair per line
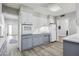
39, 22
11, 17
0, 13
67, 22
72, 23
0, 19
64, 27
2, 22
77, 13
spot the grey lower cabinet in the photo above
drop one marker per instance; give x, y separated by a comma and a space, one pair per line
70, 48
30, 41
26, 42
39, 39
35, 40
46, 38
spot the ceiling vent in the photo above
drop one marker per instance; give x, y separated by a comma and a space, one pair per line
62, 15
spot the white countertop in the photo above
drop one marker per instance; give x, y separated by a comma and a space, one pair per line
72, 38
1, 42
41, 30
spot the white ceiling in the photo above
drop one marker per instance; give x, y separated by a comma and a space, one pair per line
43, 7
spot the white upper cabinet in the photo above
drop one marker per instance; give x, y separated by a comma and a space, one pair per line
44, 21
33, 18
25, 16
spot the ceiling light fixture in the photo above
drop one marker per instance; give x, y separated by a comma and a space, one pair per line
55, 8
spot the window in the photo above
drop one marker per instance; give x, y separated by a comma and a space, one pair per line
9, 29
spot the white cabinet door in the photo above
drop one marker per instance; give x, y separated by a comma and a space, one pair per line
26, 18
52, 32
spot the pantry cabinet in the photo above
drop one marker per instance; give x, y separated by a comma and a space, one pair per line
25, 28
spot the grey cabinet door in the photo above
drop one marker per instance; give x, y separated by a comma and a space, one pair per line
46, 38
70, 48
41, 39
36, 40
26, 43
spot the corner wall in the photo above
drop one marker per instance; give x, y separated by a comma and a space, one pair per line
68, 22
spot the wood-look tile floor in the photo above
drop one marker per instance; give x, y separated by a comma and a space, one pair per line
52, 49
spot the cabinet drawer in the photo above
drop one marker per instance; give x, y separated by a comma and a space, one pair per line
26, 36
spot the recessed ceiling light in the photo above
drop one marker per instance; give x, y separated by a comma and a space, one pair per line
55, 8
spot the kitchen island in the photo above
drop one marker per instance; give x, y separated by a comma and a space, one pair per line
71, 45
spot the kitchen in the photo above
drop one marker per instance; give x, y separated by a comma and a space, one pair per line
36, 29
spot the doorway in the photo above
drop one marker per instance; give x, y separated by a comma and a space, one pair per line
11, 35
9, 30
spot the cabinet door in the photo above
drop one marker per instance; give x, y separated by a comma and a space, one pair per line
26, 28
41, 37
35, 40
26, 18
26, 43
52, 32
46, 38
